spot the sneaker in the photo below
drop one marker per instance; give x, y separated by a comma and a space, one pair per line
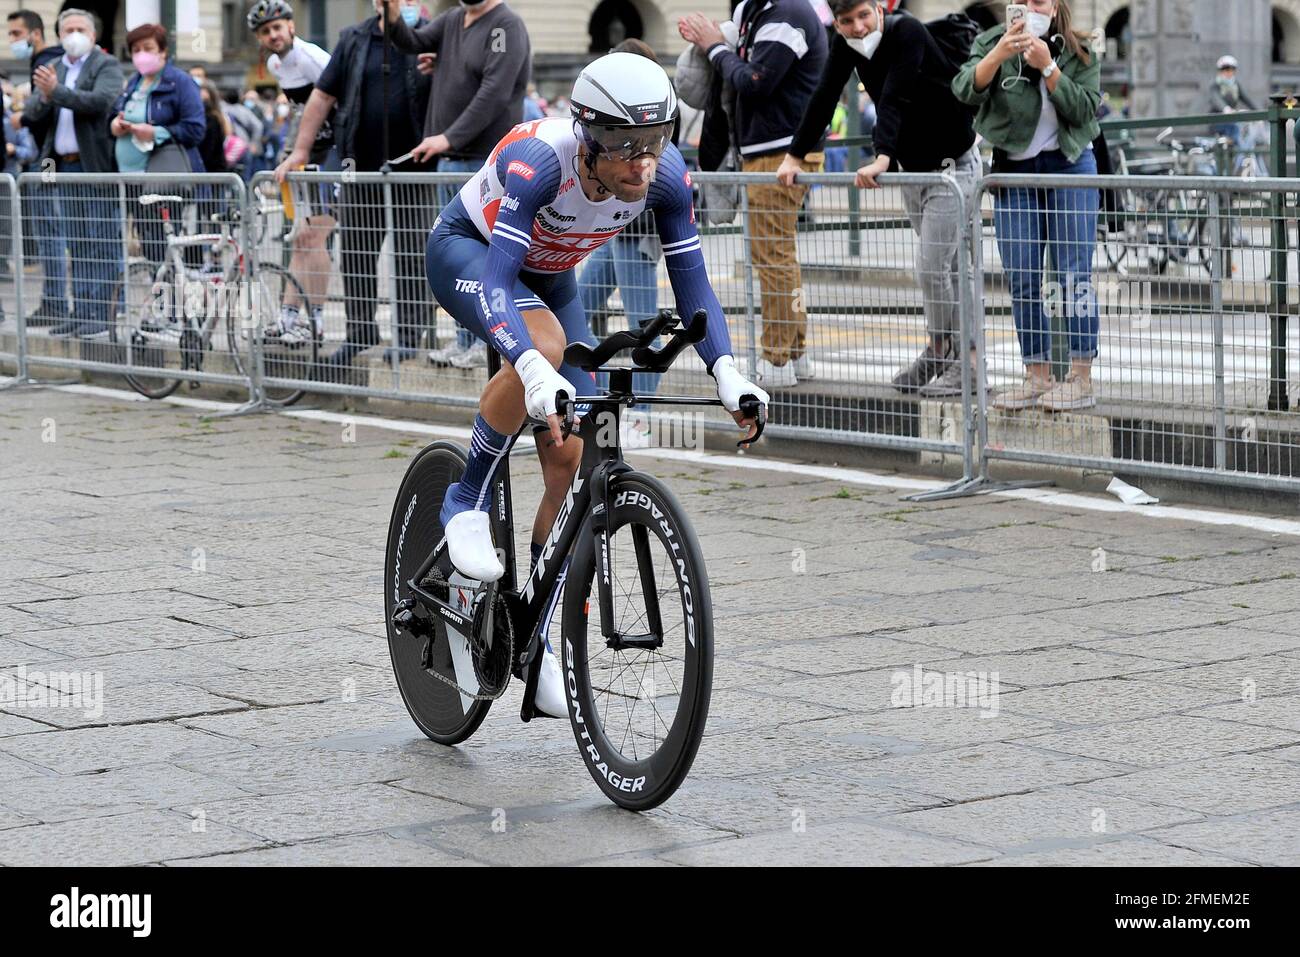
297, 335
469, 544
549, 698
1074, 393
948, 384
81, 330
475, 357
923, 368
443, 357
1023, 396
803, 367
774, 377
47, 314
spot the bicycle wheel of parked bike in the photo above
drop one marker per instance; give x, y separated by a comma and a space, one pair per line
638, 704
414, 531
257, 309
151, 330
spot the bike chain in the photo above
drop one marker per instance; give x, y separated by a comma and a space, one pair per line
437, 579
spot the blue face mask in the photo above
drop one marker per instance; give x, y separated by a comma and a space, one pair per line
21, 49
411, 15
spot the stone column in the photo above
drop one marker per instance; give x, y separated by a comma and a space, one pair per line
1176, 44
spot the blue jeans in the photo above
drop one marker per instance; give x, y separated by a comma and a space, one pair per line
1029, 222
446, 194
95, 244
837, 159
620, 263
51, 244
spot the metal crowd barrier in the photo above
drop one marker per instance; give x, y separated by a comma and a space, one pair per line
1180, 287
109, 269
1186, 278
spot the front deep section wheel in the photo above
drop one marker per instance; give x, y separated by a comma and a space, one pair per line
439, 710
638, 700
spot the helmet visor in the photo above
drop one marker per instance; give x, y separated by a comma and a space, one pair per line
628, 142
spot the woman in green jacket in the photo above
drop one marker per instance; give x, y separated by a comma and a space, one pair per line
1037, 87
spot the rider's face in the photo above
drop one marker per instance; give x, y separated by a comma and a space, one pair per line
628, 180
276, 36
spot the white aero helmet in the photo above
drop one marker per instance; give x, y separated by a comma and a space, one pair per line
624, 106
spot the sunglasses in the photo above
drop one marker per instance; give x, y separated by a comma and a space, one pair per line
625, 143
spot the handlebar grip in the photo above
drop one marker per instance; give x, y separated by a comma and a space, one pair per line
751, 408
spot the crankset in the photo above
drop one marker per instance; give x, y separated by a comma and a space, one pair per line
485, 652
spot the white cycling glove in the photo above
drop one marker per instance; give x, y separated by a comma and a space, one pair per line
732, 385
541, 383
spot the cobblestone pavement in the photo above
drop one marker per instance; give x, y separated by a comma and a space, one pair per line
223, 577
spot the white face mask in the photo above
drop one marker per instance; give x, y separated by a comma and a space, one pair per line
76, 45
868, 45
1037, 24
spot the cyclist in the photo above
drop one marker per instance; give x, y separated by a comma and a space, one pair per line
297, 65
501, 260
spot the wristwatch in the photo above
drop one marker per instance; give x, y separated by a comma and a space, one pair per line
1049, 69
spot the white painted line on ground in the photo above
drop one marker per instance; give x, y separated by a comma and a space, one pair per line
1069, 500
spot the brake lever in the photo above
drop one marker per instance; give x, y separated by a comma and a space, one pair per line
751, 408
567, 410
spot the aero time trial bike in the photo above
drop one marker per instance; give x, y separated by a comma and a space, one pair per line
621, 561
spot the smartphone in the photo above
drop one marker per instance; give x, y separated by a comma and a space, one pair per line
1016, 11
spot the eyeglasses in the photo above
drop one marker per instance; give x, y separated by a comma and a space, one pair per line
628, 142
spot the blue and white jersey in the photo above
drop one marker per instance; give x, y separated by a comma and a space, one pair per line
527, 203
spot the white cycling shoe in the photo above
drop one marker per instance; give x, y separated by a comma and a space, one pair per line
469, 544
550, 699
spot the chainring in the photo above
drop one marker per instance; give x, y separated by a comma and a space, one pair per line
491, 659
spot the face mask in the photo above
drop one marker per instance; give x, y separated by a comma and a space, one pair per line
470, 3
1037, 24
21, 49
282, 110
868, 45
410, 16
77, 45
251, 104
147, 63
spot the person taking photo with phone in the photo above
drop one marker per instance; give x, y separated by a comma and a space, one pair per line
1037, 86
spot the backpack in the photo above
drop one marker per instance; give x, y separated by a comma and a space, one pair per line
954, 35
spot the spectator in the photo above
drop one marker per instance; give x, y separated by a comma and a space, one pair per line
1037, 87
778, 60
354, 82
247, 122
76, 95
534, 105
20, 149
477, 95
27, 42
921, 128
297, 65
629, 262
215, 129
1227, 96
158, 121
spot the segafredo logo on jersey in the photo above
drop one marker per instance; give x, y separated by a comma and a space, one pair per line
520, 168
644, 501
557, 529
510, 202
588, 747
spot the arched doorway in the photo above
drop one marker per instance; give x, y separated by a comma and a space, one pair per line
1119, 35
612, 22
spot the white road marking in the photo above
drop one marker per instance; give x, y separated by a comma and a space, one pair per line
1093, 503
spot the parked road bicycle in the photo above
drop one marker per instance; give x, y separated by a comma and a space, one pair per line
624, 568
172, 328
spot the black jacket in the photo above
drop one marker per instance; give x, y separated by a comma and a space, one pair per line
347, 56
919, 123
